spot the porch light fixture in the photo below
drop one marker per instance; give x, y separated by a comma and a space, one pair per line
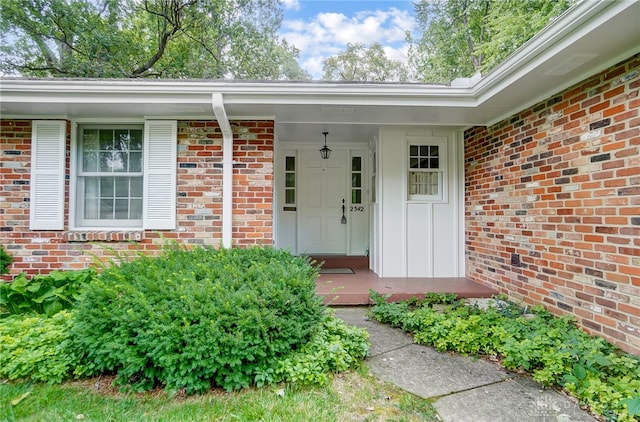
325, 152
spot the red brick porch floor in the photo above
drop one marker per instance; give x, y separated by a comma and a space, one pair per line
353, 289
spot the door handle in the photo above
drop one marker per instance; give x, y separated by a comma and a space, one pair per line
343, 220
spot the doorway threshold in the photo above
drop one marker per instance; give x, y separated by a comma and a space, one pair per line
326, 261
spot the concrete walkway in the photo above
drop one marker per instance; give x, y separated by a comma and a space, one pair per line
461, 388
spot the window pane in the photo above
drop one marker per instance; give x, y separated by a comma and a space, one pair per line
434, 163
135, 162
434, 151
424, 150
106, 209
290, 164
89, 160
106, 187
135, 143
413, 163
91, 208
290, 196
424, 163
356, 164
356, 196
122, 187
290, 180
136, 187
122, 140
121, 211
356, 180
90, 140
413, 150
106, 140
92, 187
135, 212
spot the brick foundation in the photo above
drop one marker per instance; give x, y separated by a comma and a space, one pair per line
199, 200
553, 204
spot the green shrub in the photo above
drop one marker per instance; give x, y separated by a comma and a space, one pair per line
335, 347
37, 347
43, 294
197, 318
5, 260
552, 349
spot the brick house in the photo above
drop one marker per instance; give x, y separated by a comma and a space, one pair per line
526, 179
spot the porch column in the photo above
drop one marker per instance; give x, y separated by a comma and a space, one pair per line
227, 168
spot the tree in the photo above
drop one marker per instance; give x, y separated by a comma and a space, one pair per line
146, 38
358, 63
462, 37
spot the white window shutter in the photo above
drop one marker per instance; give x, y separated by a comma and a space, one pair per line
160, 156
48, 144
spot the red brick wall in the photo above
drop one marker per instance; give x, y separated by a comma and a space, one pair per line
199, 201
553, 204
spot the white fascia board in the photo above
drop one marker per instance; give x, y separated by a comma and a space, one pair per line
193, 92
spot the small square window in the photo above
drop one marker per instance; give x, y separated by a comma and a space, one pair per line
426, 175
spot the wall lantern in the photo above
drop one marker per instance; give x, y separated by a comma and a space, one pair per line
325, 152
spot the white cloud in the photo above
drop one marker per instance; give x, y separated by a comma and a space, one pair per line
291, 4
328, 33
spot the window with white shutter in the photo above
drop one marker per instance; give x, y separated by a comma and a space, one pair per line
48, 143
126, 176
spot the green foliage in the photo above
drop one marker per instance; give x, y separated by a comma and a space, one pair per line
462, 37
154, 38
38, 348
359, 63
196, 318
5, 260
553, 349
43, 294
335, 347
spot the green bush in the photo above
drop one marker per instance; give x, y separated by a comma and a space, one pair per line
5, 260
553, 349
335, 347
38, 348
192, 319
43, 294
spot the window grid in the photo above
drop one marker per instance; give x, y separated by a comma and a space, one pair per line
290, 180
110, 176
356, 180
425, 172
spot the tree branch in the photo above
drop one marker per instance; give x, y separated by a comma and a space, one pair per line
172, 15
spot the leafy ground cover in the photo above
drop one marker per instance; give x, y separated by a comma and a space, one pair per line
552, 349
353, 395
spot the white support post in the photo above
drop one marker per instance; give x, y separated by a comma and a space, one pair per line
227, 168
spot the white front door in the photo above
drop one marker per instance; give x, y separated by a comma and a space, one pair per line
323, 192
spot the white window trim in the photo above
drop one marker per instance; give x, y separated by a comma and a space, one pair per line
441, 143
82, 223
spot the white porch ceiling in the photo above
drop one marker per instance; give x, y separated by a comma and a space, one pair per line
590, 37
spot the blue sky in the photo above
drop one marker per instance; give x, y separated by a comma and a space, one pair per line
320, 29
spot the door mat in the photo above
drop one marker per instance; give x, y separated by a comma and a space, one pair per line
344, 270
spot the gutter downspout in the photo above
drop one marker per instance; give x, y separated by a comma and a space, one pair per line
227, 168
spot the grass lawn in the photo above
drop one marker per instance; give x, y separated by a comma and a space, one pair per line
352, 396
